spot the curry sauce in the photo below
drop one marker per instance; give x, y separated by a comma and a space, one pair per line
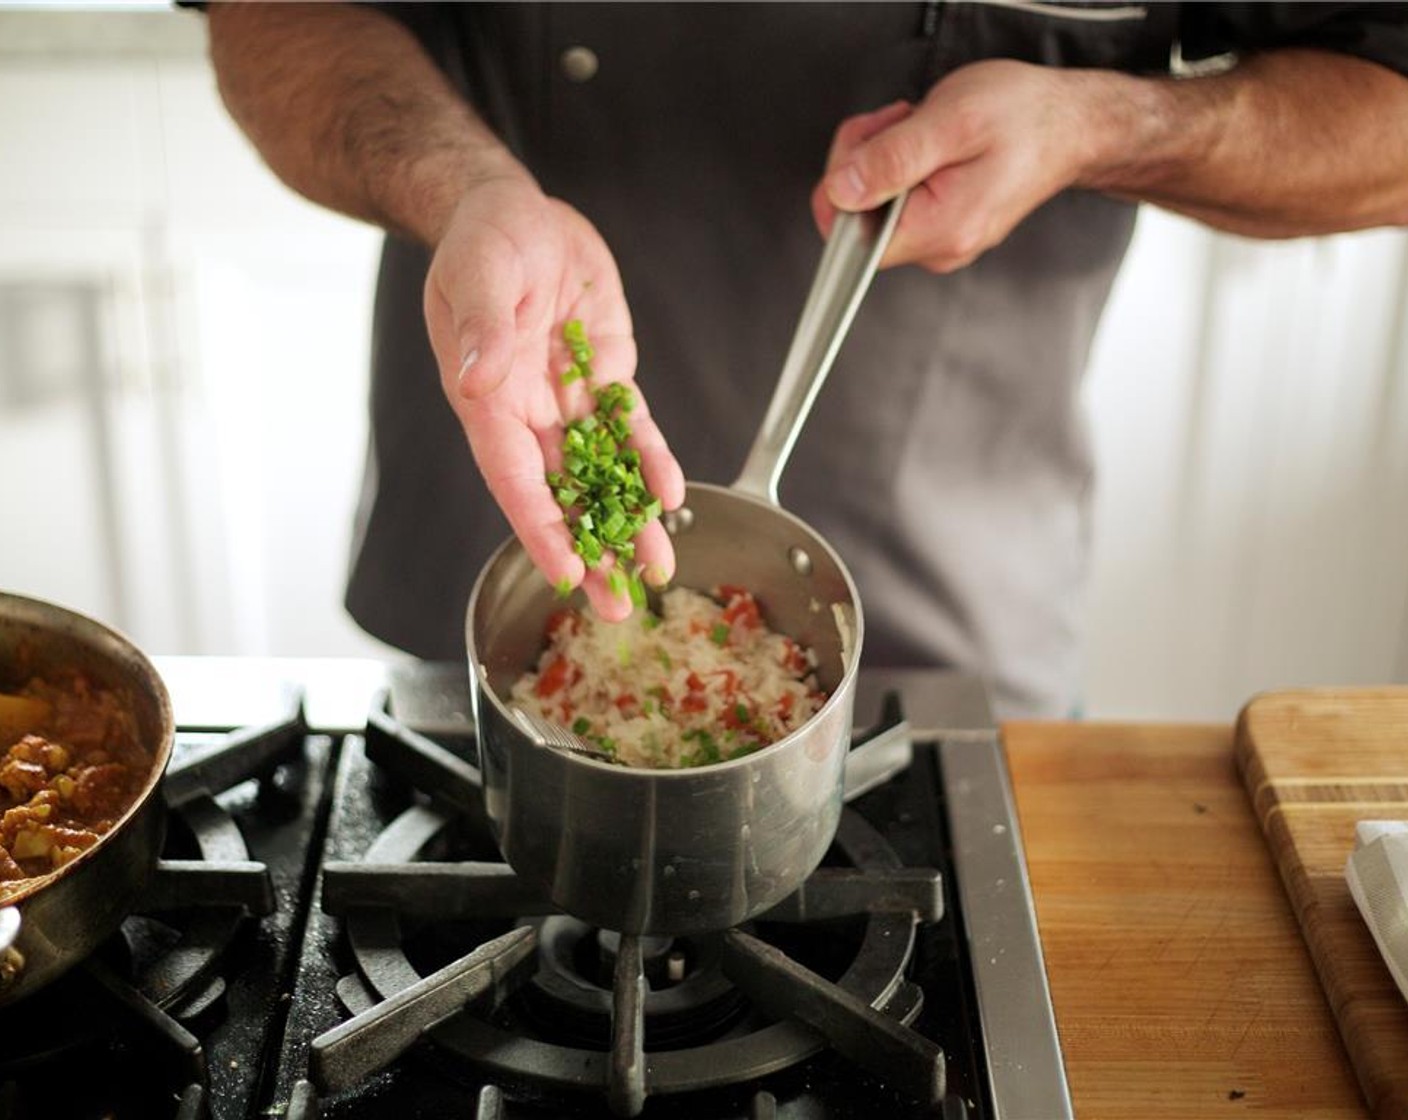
70, 767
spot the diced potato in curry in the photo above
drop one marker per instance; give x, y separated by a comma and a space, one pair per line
70, 766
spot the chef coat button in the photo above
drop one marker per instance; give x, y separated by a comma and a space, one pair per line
579, 64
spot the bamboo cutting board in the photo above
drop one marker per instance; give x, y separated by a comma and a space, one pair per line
1316, 762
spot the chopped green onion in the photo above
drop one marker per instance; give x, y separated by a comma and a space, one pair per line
563, 587
600, 488
650, 621
719, 634
581, 725
708, 751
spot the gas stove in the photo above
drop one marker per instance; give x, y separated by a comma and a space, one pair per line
354, 947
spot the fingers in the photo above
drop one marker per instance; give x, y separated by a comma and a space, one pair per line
611, 606
655, 556
901, 155
655, 553
511, 460
616, 357
658, 466
615, 360
852, 132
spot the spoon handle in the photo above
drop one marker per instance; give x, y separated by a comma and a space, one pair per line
848, 264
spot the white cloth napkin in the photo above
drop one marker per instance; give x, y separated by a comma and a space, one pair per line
1377, 872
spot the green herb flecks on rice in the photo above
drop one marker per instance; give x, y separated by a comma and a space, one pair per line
704, 681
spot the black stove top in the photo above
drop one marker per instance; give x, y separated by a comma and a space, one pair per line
333, 934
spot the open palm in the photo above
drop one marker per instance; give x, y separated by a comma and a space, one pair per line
511, 269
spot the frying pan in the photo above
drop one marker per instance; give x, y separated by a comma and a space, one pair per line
64, 915
650, 851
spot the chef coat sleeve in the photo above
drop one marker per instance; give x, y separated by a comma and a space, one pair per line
1376, 32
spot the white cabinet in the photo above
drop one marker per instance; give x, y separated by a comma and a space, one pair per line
192, 474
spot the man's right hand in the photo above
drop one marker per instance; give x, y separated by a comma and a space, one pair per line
349, 109
510, 268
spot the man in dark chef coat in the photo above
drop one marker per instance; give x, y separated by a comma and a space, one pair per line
519, 155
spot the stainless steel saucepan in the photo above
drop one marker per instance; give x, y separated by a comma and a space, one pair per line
683, 851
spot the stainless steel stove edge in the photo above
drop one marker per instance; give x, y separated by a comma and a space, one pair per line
1026, 1074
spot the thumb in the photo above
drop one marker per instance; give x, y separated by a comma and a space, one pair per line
485, 339
893, 160
471, 328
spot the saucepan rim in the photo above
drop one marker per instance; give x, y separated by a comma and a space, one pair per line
850, 649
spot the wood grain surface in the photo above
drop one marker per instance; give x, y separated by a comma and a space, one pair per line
1315, 763
1181, 985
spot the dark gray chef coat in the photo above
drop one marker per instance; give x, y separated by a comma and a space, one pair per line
947, 458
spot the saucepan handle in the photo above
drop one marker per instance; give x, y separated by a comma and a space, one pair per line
847, 266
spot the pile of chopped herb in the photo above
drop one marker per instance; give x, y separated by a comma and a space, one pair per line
600, 488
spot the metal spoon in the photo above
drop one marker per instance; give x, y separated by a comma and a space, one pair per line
848, 264
556, 737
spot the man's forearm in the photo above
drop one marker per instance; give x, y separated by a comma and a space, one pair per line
1288, 143
347, 109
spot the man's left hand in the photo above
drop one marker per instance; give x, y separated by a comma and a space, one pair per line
989, 144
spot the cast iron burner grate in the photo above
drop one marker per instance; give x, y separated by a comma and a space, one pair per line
544, 1002
144, 991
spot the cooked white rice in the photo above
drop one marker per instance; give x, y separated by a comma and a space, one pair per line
703, 682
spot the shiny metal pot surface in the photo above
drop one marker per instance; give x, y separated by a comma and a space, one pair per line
672, 851
63, 916
682, 851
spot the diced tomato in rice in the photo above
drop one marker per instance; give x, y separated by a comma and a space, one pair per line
666, 692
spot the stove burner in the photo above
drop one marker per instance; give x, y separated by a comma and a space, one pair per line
568, 1000
537, 999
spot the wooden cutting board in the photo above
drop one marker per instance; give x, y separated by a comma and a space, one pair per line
1315, 762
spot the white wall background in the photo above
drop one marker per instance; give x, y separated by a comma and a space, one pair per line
183, 350
231, 350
